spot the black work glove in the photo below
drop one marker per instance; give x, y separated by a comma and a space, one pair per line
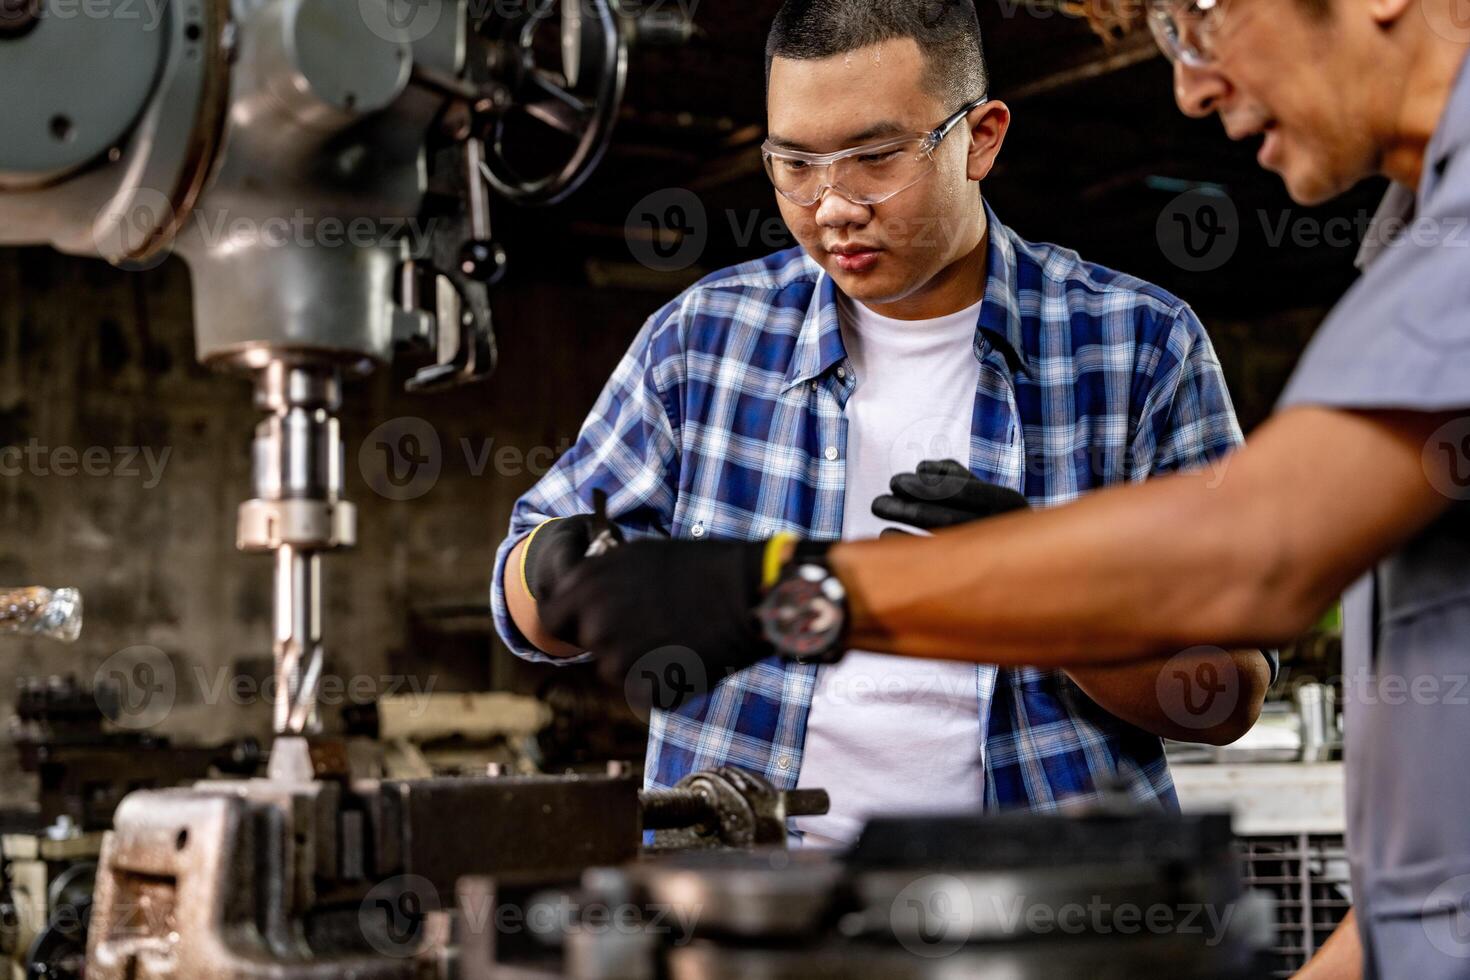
943, 494
667, 619
557, 547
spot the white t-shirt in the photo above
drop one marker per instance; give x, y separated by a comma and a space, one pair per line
892, 735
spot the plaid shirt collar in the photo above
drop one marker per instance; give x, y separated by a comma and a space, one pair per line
819, 346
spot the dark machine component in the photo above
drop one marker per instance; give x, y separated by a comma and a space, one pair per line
18, 17
726, 807
59, 951
1018, 897
587, 726
85, 769
46, 884
312, 873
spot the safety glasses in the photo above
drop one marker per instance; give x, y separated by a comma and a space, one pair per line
1185, 31
865, 175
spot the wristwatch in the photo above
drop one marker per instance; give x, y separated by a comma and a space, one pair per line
804, 614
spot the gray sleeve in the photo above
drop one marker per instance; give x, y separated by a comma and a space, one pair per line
1400, 338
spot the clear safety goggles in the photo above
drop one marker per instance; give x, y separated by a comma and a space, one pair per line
1185, 31
865, 175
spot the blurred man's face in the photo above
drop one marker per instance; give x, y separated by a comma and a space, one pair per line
1300, 82
889, 252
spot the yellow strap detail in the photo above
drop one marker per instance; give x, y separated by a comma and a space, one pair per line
774, 559
526, 551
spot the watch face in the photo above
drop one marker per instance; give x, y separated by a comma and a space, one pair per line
804, 614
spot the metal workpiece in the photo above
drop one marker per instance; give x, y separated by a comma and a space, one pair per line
37, 611
726, 807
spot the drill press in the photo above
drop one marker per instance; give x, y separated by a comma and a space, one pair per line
250, 137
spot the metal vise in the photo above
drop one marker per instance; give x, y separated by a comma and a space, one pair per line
311, 874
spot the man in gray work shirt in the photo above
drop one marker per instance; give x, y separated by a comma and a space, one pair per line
1366, 462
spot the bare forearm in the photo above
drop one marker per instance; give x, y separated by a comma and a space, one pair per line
1340, 958
1247, 559
523, 610
1203, 695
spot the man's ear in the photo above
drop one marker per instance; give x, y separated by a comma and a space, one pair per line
988, 125
1385, 12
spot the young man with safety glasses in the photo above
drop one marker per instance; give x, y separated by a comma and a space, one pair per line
914, 363
1364, 469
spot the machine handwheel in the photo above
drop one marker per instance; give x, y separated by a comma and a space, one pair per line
582, 101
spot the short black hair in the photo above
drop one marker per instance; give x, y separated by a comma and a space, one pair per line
948, 32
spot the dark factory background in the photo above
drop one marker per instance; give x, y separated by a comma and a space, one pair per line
90, 356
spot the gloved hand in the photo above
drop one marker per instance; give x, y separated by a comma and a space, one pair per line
667, 619
944, 494
557, 547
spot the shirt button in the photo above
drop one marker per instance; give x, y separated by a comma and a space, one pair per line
815, 386
842, 372
784, 762
698, 530
831, 454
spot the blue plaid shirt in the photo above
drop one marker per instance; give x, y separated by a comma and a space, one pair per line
725, 420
